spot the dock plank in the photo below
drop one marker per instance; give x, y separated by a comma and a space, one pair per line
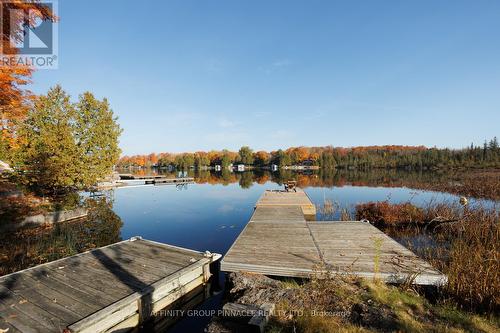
275, 214
26, 316
279, 241
280, 198
70, 292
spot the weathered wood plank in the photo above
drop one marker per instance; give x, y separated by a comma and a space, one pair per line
283, 198
100, 289
126, 307
278, 241
74, 290
30, 288
26, 316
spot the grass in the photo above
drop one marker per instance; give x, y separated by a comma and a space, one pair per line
415, 313
466, 246
337, 303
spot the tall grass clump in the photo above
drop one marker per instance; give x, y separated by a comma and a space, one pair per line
331, 210
466, 246
474, 260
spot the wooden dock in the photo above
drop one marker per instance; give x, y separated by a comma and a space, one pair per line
129, 176
166, 181
283, 199
110, 289
155, 179
279, 241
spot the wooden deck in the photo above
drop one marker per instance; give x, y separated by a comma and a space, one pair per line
165, 181
289, 199
279, 241
110, 289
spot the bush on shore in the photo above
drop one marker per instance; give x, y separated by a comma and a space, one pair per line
466, 245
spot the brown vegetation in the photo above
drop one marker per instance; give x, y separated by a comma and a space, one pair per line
467, 245
477, 184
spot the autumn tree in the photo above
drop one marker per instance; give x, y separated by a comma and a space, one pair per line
15, 99
64, 145
152, 160
184, 161
201, 159
262, 158
408, 157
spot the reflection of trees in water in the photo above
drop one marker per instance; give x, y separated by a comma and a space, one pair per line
246, 179
321, 178
470, 183
28, 247
103, 225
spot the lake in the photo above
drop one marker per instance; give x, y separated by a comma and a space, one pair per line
209, 214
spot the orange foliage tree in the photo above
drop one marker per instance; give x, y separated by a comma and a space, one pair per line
14, 97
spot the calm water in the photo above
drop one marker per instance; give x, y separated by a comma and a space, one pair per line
210, 215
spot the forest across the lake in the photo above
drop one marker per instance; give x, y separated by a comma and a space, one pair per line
391, 156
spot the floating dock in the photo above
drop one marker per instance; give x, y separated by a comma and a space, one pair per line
115, 288
165, 181
278, 240
129, 176
155, 179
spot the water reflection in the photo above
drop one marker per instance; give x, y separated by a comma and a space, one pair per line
206, 215
210, 214
313, 178
32, 246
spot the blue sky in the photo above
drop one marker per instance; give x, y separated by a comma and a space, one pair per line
200, 75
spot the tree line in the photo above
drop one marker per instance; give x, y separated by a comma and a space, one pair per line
408, 157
